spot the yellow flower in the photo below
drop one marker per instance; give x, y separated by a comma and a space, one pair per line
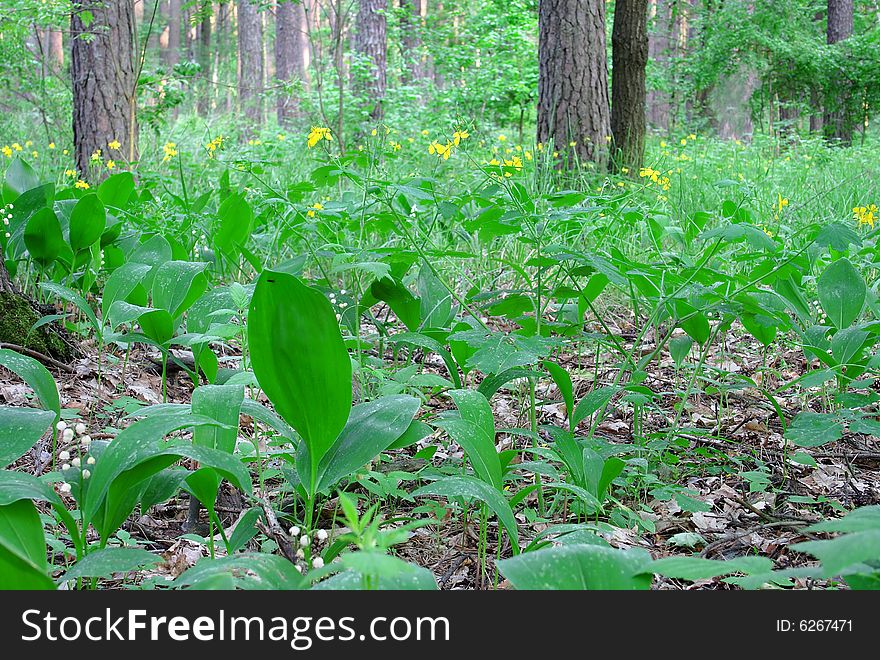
459, 135
114, 145
494, 162
65, 152
444, 151
425, 131
82, 185
865, 215
317, 134
16, 146
781, 202
34, 153
170, 151
572, 144
51, 145
528, 155
96, 155
213, 145
683, 141
394, 145
255, 143
373, 132
692, 137
317, 206
281, 137
28, 143
662, 144
111, 164
6, 151
502, 138
69, 172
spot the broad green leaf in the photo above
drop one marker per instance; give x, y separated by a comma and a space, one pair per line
177, 285
104, 562
388, 572
43, 237
471, 488
121, 283
116, 190
73, 297
21, 429
578, 567
475, 432
842, 293
593, 402
843, 551
35, 375
371, 429
300, 360
566, 389
252, 570
87, 222
859, 520
810, 429
697, 568
404, 305
23, 562
235, 219
20, 177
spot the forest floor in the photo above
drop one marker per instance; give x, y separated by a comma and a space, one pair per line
744, 494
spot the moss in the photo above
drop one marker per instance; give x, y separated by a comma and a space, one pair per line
17, 317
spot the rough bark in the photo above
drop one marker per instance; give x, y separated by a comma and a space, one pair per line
370, 44
203, 55
838, 121
289, 49
658, 53
103, 77
411, 39
573, 77
171, 53
629, 44
250, 64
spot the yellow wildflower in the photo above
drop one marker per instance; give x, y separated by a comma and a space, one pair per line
444, 151
114, 145
16, 146
51, 145
317, 134
111, 164
82, 185
459, 135
865, 215
6, 151
69, 172
170, 151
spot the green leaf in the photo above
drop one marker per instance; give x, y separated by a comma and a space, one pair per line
842, 293
35, 375
116, 190
104, 562
245, 529
251, 570
810, 429
87, 222
593, 402
73, 297
859, 520
177, 285
563, 382
121, 283
578, 567
20, 177
300, 360
844, 551
474, 430
404, 305
43, 237
471, 488
235, 220
697, 568
371, 428
386, 571
23, 562
679, 347
21, 429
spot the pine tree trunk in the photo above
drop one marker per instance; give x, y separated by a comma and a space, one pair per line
658, 52
838, 120
289, 49
250, 54
411, 39
370, 44
204, 60
573, 78
56, 49
104, 81
171, 54
629, 43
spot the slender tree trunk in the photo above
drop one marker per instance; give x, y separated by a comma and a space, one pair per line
250, 53
289, 47
56, 49
629, 43
411, 39
204, 59
573, 77
658, 53
370, 44
104, 79
171, 54
838, 116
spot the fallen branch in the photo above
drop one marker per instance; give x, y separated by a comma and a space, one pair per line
42, 357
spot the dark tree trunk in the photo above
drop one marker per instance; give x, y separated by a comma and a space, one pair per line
629, 44
204, 60
104, 76
370, 44
250, 62
411, 39
838, 118
573, 77
658, 52
289, 49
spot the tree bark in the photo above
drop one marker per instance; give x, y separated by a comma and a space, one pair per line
411, 39
629, 44
573, 78
104, 79
203, 54
171, 54
658, 52
250, 65
838, 120
56, 49
370, 44
289, 49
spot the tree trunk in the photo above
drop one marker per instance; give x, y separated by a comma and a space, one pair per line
370, 44
658, 52
204, 60
838, 121
629, 43
289, 48
573, 78
411, 39
250, 65
171, 54
56, 49
104, 80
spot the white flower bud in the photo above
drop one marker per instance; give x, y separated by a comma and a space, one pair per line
64, 455
86, 440
317, 562
64, 487
66, 466
67, 435
75, 462
298, 569
80, 428
61, 425
321, 535
86, 474
294, 531
300, 554
304, 541
90, 460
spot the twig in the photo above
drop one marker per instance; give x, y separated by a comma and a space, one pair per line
274, 529
45, 359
